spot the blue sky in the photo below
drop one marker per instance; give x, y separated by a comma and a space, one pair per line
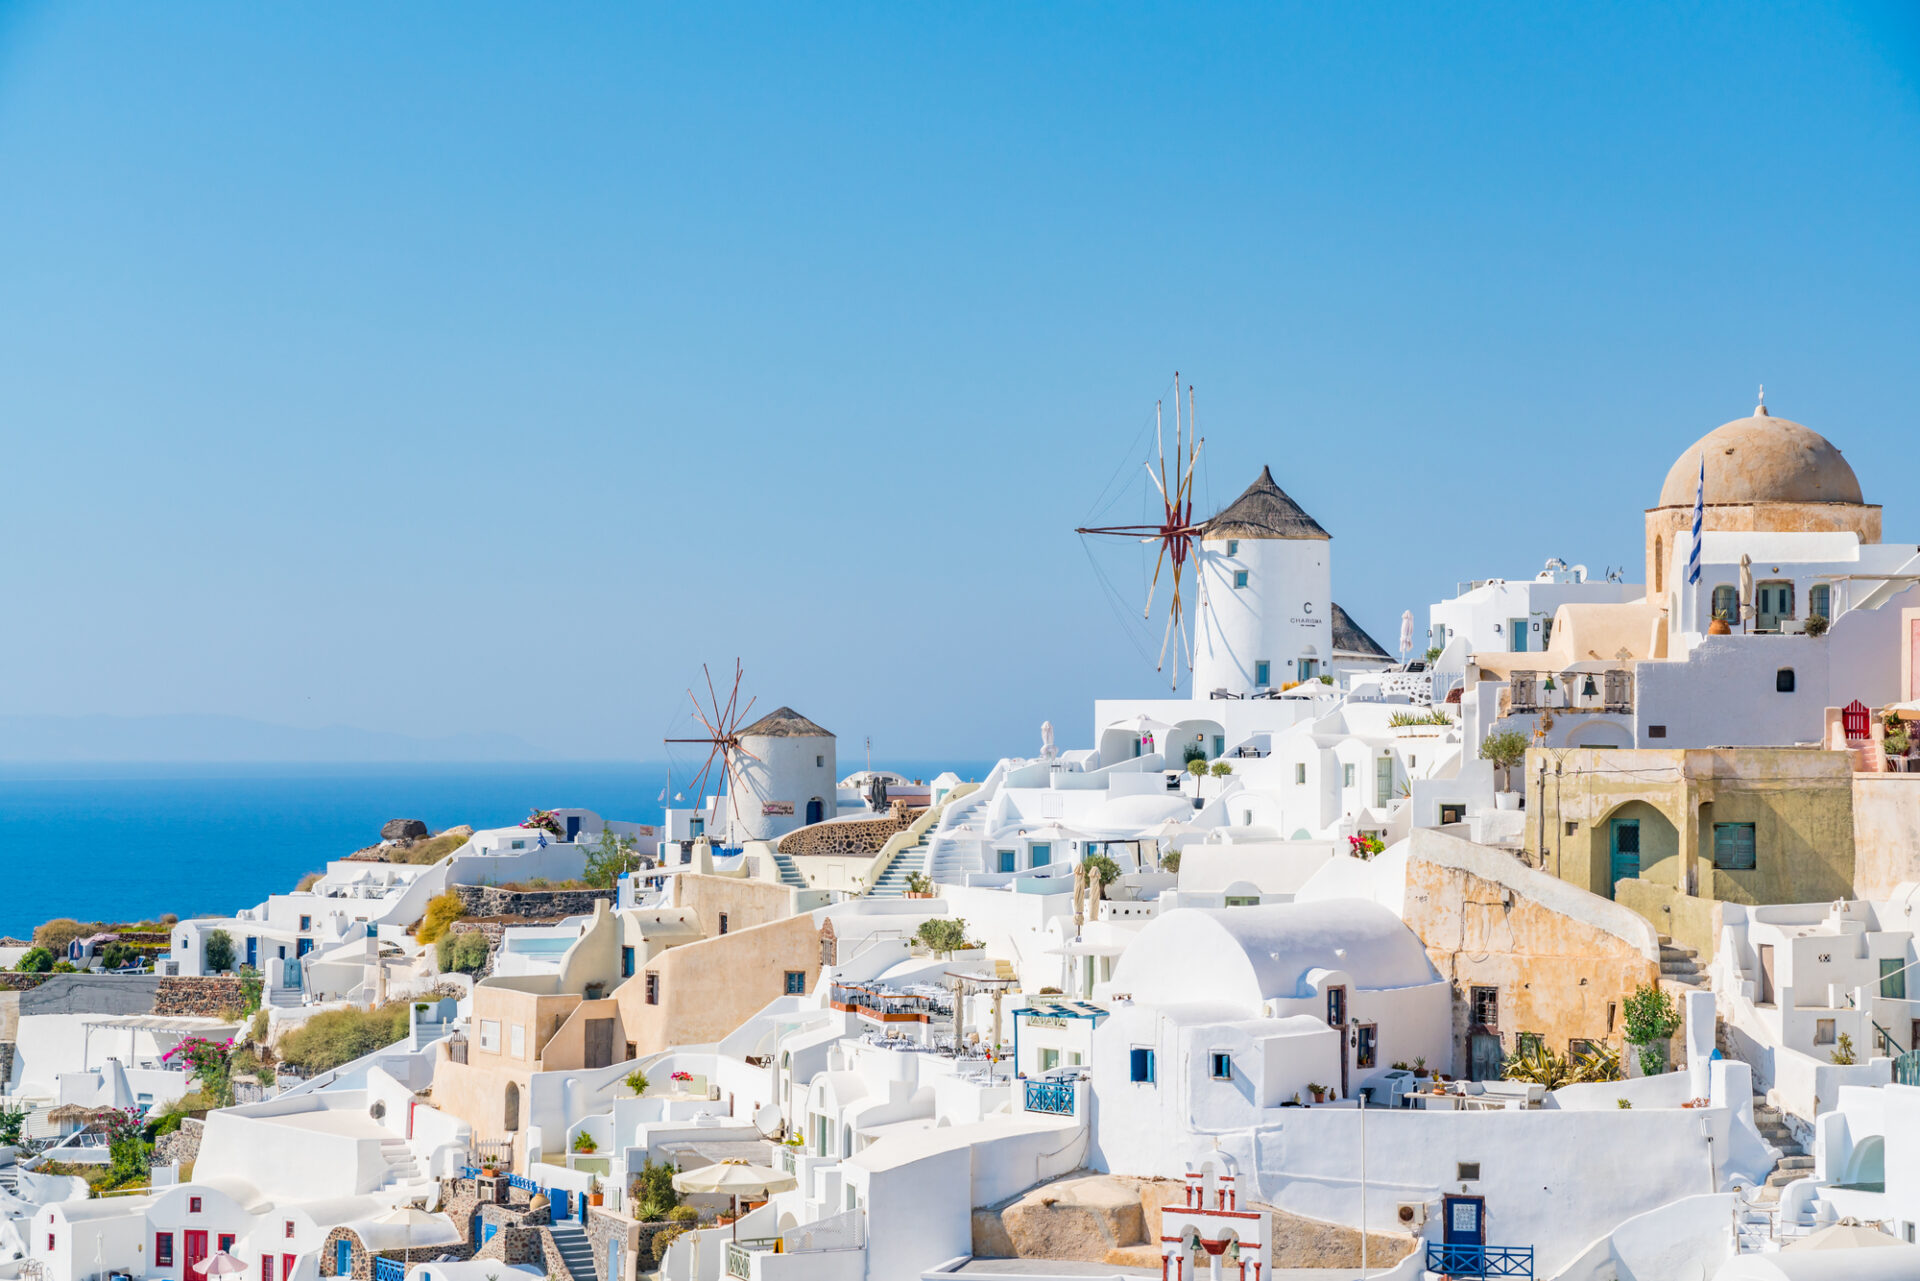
456, 368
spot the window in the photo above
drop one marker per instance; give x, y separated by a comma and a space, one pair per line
519, 845
1346, 776
1336, 1007
1486, 1006
653, 988
1140, 1064
1239, 578
1367, 1046
1580, 1047
1469, 1171
1529, 1041
1049, 1060
796, 982
1733, 846
490, 1035
1452, 814
1040, 854
517, 1040
1819, 600
162, 1249
1823, 1031
1783, 681
226, 1241
289, 1229
1242, 900
1233, 547
1726, 603
1300, 773
1546, 633
306, 923
1263, 672
1517, 635
626, 962
820, 762
1006, 860
1893, 980
1572, 827
193, 1205
266, 1267
1222, 1066
723, 922
1656, 731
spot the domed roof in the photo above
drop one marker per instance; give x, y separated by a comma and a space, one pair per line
1762, 459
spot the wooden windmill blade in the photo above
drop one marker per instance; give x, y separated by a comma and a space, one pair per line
722, 725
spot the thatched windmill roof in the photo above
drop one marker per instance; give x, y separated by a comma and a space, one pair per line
1263, 511
1350, 638
784, 722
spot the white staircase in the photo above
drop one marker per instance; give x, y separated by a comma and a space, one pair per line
402, 1168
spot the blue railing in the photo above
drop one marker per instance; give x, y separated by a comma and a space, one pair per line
1050, 1096
385, 1269
1478, 1260
522, 1182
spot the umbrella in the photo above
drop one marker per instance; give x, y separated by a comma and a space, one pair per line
1842, 1236
222, 1264
1746, 585
67, 1113
735, 1179
415, 1220
1406, 634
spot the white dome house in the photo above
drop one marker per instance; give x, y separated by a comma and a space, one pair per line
1267, 617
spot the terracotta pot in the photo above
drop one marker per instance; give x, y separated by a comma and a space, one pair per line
596, 1198
1718, 627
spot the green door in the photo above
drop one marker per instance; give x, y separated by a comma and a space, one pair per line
1626, 851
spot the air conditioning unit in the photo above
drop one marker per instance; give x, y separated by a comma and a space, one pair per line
1412, 1214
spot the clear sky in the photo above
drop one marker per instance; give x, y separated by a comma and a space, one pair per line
462, 368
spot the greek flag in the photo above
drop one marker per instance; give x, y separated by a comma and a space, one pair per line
1699, 518
543, 842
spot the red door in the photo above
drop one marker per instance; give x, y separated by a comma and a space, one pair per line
286, 1267
196, 1252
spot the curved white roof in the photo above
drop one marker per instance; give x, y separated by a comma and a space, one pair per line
1248, 955
1133, 816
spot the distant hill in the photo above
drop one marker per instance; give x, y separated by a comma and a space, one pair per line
34, 739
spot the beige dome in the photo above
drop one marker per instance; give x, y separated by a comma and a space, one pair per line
1762, 459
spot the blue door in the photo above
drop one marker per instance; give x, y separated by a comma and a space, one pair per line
573, 826
343, 1258
1042, 854
253, 951
1466, 1220
1625, 841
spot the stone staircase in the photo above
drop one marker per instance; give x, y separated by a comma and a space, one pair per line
893, 881
284, 997
789, 873
575, 1251
1680, 970
1794, 1162
402, 1168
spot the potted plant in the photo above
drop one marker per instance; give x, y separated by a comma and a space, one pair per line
1420, 1065
1817, 624
1318, 1091
919, 885
583, 1143
1504, 751
637, 1082
1719, 626
594, 1195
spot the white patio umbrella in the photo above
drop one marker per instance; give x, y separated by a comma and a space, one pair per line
1406, 634
223, 1264
1843, 1236
416, 1224
735, 1179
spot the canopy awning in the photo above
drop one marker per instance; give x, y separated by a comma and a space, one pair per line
159, 1023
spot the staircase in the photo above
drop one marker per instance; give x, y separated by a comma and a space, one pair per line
1680, 970
893, 881
789, 873
575, 1251
1794, 1162
284, 997
402, 1169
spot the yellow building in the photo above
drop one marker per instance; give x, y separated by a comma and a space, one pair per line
1671, 833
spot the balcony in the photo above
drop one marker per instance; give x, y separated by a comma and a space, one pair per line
1608, 691
885, 1005
1055, 1097
1480, 1261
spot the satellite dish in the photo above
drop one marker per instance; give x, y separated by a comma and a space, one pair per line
766, 1118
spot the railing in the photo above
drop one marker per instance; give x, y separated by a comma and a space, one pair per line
740, 1254
385, 1269
1055, 1097
1479, 1260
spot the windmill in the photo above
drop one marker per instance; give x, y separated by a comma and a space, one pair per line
722, 723
1176, 531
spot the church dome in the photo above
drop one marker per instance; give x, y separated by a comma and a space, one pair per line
1762, 459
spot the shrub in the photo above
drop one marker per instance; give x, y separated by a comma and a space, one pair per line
1192, 752
1221, 769
943, 936
1170, 861
1433, 654
216, 954
308, 881
1648, 1019
442, 910
465, 952
333, 1037
1505, 749
208, 1062
65, 967
919, 883
1843, 1051
1197, 766
1108, 869
1817, 624
1431, 717
636, 1081
12, 1121
609, 860
62, 930
35, 960
654, 1197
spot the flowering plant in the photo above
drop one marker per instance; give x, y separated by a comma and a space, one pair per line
544, 821
683, 1076
1365, 845
210, 1063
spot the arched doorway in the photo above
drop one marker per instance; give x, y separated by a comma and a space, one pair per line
1634, 842
1867, 1167
816, 810
512, 1119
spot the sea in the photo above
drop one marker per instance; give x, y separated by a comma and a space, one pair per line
129, 842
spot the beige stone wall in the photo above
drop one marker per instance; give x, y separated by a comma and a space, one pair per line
1800, 801
1558, 969
746, 903
853, 837
709, 988
1886, 832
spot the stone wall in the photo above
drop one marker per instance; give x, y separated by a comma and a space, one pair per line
851, 838
539, 905
12, 982
183, 1145
210, 996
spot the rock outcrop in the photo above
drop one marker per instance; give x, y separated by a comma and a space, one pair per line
403, 829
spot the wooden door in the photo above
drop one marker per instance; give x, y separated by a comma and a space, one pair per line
1337, 1020
1766, 974
1485, 1060
196, 1252
599, 1048
1465, 1220
1625, 845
